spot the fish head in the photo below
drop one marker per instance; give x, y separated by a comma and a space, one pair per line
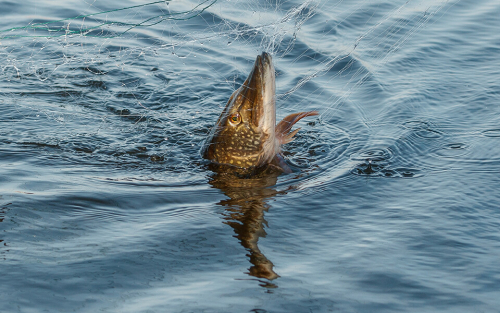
244, 135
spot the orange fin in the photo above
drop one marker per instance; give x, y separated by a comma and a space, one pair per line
283, 128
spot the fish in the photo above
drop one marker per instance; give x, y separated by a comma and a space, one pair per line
246, 136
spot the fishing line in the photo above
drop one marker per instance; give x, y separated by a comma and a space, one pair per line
59, 31
382, 57
51, 55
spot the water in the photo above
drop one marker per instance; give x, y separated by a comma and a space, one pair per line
106, 204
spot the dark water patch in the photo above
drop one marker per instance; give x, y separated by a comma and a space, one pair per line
134, 95
303, 54
359, 18
235, 30
131, 82
9, 7
163, 78
119, 112
157, 158
92, 84
93, 70
82, 147
347, 66
374, 169
42, 73
165, 101
126, 114
55, 93
53, 145
368, 168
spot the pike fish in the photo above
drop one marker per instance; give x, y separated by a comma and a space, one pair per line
246, 137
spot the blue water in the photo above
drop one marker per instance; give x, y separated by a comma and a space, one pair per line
107, 206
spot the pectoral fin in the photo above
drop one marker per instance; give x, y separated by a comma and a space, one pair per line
283, 128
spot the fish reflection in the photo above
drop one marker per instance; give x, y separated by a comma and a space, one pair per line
3, 212
245, 211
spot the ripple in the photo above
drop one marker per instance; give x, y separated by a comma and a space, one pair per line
373, 161
416, 125
377, 170
492, 133
422, 129
318, 156
407, 172
368, 168
452, 150
428, 134
374, 155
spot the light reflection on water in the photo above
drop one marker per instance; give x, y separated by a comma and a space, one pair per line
106, 204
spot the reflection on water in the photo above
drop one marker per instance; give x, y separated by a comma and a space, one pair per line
3, 211
245, 214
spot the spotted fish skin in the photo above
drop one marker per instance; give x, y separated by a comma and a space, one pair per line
246, 135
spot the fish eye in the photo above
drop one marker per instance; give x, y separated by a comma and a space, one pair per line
235, 119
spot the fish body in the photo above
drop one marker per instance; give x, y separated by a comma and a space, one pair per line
246, 135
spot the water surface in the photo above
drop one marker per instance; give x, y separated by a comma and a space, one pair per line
106, 204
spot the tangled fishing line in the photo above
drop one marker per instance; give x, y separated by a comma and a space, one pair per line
43, 60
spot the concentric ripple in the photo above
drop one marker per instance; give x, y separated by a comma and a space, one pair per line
423, 129
452, 150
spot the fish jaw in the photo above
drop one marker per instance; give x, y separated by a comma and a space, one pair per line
266, 108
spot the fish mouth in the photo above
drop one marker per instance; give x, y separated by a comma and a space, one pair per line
260, 90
